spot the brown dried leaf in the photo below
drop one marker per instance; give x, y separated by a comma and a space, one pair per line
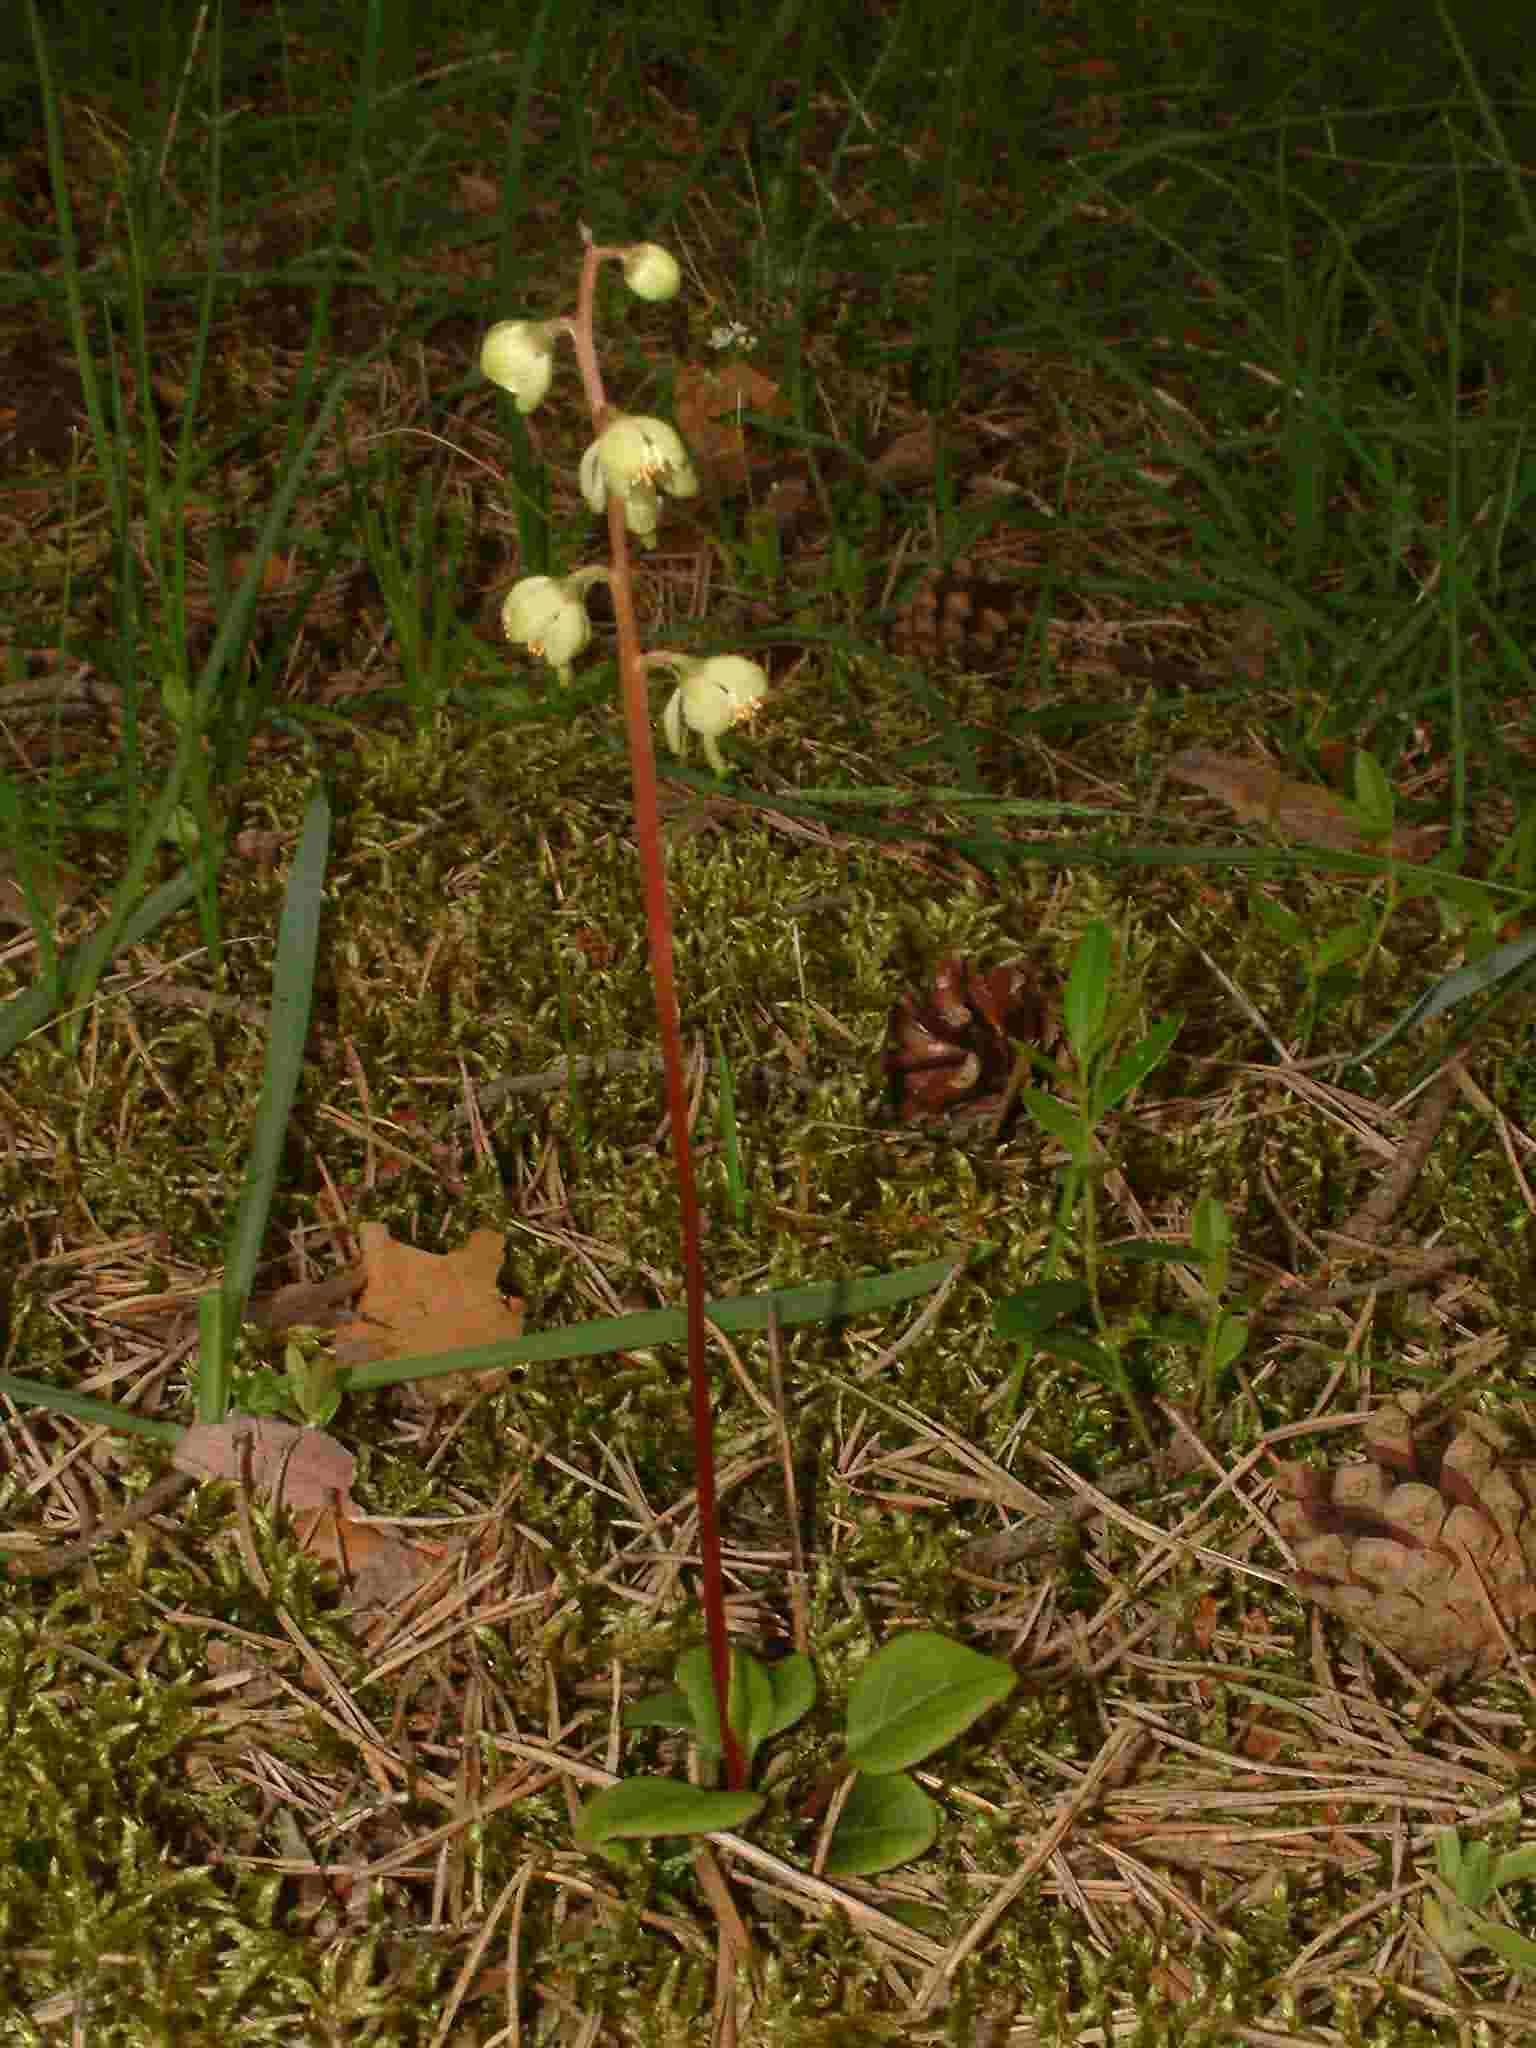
56, 887
310, 1474
315, 1304
478, 194
708, 408
417, 1303
379, 1568
913, 457
1258, 792
291, 1467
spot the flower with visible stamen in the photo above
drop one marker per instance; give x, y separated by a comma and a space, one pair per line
546, 615
637, 459
714, 694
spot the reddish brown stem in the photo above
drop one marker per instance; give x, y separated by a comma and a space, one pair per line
658, 924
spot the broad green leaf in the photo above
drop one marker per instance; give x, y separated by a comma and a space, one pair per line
1133, 1067
765, 1698
1515, 1867
917, 1693
1037, 1308
1375, 799
1153, 1251
1085, 1000
641, 1807
885, 1821
1448, 1856
793, 1684
1348, 943
1055, 1118
1210, 1232
1083, 1351
1449, 1928
1514, 1948
1210, 1227
669, 1709
1169, 1329
1231, 1340
751, 1700
1473, 1879
1285, 924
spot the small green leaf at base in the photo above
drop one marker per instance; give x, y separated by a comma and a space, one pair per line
661, 1806
668, 1709
765, 1699
884, 1821
793, 1684
1513, 1948
917, 1693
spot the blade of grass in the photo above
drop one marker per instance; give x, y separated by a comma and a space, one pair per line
293, 986
233, 634
827, 1302
32, 1009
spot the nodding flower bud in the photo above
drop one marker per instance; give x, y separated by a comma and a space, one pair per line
519, 356
545, 614
651, 272
637, 459
714, 695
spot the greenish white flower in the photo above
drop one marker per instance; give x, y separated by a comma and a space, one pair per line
714, 695
546, 615
651, 272
642, 512
519, 356
637, 459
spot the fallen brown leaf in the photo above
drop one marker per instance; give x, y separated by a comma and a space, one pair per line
708, 406
310, 1474
291, 1467
320, 1304
55, 886
378, 1568
418, 1303
913, 457
1258, 792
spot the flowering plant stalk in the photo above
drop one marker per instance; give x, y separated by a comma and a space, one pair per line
632, 463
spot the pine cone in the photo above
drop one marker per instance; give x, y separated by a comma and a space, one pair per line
1405, 1542
955, 1053
960, 617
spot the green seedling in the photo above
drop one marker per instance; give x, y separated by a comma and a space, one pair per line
730, 1138
1102, 1071
1226, 1333
308, 1389
418, 561
1480, 913
1469, 1874
1333, 961
913, 1697
1329, 960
